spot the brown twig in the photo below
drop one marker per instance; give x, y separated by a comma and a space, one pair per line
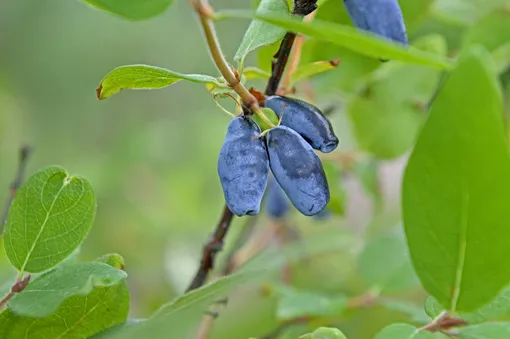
213, 246
18, 286
24, 153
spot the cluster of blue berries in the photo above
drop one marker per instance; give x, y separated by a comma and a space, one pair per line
247, 155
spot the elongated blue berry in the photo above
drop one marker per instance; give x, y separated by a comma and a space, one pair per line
277, 203
381, 17
305, 119
298, 170
243, 167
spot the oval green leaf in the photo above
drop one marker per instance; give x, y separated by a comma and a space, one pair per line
49, 218
145, 77
132, 9
260, 33
52, 288
77, 317
348, 37
456, 190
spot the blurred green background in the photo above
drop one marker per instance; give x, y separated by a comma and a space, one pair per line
151, 155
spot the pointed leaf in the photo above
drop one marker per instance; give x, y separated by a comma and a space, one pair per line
348, 37
403, 331
44, 294
132, 9
260, 33
456, 188
311, 69
255, 73
77, 317
145, 77
49, 218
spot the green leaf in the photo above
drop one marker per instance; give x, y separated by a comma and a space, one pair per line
497, 308
385, 265
338, 192
145, 77
311, 69
389, 114
486, 331
294, 303
491, 31
183, 314
112, 259
348, 37
44, 294
432, 307
270, 114
132, 9
77, 317
255, 73
49, 218
265, 56
324, 333
403, 331
456, 187
260, 33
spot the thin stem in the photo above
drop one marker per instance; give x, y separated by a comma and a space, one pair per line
24, 153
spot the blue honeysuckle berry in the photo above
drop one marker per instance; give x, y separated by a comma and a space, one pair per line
380, 17
298, 170
243, 167
305, 119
